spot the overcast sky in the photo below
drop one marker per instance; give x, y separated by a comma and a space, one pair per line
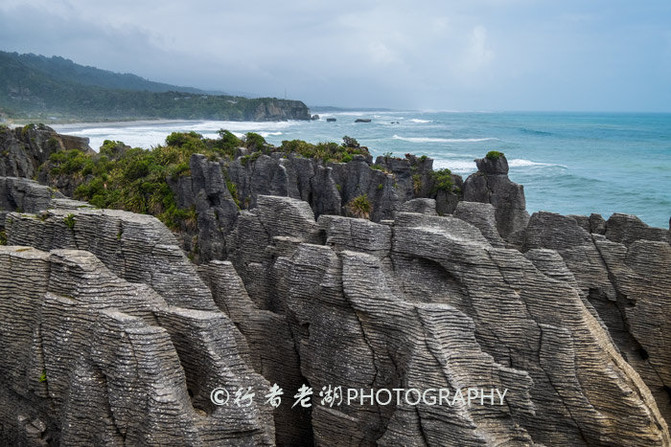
576, 55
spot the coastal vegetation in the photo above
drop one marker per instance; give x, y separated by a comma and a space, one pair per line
360, 207
442, 180
417, 183
70, 221
327, 152
494, 155
138, 180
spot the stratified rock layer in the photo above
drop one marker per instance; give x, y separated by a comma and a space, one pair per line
625, 277
428, 302
91, 359
109, 335
136, 247
492, 185
24, 149
219, 189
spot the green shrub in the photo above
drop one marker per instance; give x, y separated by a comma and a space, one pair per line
228, 141
70, 221
71, 162
417, 183
350, 142
184, 139
360, 207
442, 180
179, 170
327, 152
112, 149
494, 155
254, 141
233, 189
137, 179
3, 237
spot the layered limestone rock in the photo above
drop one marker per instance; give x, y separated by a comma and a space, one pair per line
25, 195
91, 359
483, 217
492, 185
625, 276
218, 189
135, 247
626, 229
427, 302
120, 344
110, 335
24, 149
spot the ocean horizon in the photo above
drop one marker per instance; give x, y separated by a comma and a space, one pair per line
568, 162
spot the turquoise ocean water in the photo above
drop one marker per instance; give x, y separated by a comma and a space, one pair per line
570, 163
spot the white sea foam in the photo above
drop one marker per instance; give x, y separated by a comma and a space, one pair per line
441, 140
456, 166
419, 121
152, 133
461, 166
441, 154
522, 163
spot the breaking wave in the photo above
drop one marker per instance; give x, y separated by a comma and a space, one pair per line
441, 140
522, 163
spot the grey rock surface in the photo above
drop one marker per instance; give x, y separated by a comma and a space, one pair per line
422, 206
403, 306
218, 189
483, 217
627, 228
136, 247
493, 165
626, 281
91, 359
25, 195
110, 335
492, 185
24, 149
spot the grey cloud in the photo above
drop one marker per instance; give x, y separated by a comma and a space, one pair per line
484, 54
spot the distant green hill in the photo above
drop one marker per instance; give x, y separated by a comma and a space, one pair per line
47, 89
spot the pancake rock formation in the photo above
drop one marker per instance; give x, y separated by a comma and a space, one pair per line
440, 322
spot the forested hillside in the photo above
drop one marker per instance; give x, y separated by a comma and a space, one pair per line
47, 89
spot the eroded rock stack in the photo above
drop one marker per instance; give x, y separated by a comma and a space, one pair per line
492, 185
24, 149
328, 188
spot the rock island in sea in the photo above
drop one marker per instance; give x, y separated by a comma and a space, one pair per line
136, 286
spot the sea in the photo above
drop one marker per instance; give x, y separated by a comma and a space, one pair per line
569, 163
